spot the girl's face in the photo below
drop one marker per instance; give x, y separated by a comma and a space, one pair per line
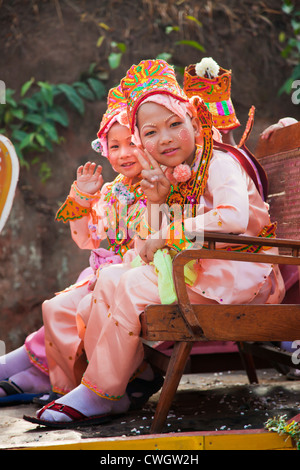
167, 137
121, 152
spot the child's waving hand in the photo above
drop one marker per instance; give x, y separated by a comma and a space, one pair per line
89, 178
154, 184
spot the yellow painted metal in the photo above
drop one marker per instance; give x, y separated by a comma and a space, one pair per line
249, 441
239, 440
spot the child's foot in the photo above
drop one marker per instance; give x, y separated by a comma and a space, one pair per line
30, 380
86, 402
14, 362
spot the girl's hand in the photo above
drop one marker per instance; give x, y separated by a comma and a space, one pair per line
154, 184
89, 178
151, 246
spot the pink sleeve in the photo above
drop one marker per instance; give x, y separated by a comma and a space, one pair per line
88, 231
227, 186
287, 121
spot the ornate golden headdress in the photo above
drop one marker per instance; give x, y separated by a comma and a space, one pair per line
213, 84
116, 103
116, 110
147, 78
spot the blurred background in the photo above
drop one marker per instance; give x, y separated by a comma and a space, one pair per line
58, 60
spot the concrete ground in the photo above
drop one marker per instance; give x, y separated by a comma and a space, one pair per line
204, 402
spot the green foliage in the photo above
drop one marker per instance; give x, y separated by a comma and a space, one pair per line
32, 122
182, 42
164, 56
191, 43
114, 58
291, 50
117, 49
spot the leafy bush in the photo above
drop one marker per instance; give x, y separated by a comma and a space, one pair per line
32, 121
291, 50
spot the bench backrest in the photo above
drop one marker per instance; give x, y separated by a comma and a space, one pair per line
280, 157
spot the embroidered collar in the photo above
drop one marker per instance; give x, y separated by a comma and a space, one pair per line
189, 192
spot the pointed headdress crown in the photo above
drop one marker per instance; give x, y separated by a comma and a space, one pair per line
213, 84
149, 77
116, 103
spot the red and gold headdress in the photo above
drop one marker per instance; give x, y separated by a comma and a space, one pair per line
116, 110
147, 78
213, 84
116, 103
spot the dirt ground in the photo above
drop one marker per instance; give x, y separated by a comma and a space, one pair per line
220, 401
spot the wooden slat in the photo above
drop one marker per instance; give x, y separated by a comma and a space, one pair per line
243, 239
187, 311
268, 351
283, 170
188, 255
224, 323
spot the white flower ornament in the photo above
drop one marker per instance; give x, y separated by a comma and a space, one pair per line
207, 67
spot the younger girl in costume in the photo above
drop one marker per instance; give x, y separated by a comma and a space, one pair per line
218, 195
94, 215
28, 367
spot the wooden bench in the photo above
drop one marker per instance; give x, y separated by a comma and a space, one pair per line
253, 327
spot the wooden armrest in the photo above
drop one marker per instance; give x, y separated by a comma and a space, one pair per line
185, 256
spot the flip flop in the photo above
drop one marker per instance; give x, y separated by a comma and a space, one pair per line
293, 374
78, 418
46, 398
15, 395
146, 387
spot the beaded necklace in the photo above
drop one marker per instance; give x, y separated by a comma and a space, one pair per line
126, 204
188, 192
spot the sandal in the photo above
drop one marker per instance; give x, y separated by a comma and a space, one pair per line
78, 418
49, 396
146, 387
15, 395
293, 374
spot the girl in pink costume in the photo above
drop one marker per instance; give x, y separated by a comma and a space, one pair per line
222, 197
29, 367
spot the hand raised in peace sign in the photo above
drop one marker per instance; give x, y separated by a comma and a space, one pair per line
154, 184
